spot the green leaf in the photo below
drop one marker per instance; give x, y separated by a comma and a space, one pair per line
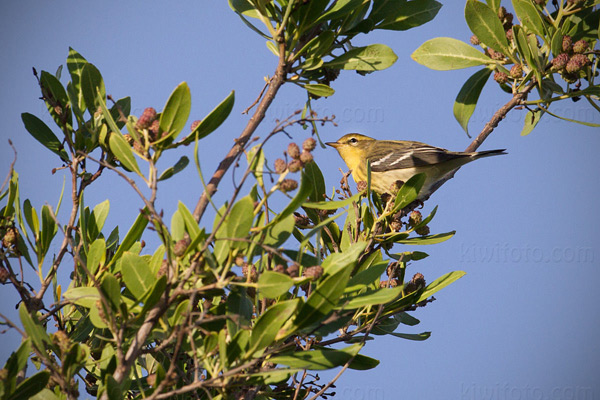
133, 235
320, 359
176, 112
370, 298
97, 219
304, 192
494, 4
92, 87
244, 7
75, 64
465, 102
40, 132
322, 300
339, 9
344, 260
409, 191
83, 296
273, 284
362, 363
315, 178
96, 255
410, 15
34, 329
267, 326
556, 43
531, 120
45, 394
136, 274
374, 57
55, 96
529, 16
333, 205
444, 54
367, 277
412, 336
439, 284
30, 386
430, 239
213, 120
154, 294
112, 290
485, 24
121, 149
178, 167
273, 376
319, 89
280, 232
239, 221
49, 229
256, 163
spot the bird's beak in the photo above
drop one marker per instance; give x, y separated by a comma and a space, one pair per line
332, 144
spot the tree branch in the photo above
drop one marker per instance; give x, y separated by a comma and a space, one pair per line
275, 83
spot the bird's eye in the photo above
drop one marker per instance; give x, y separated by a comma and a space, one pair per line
353, 140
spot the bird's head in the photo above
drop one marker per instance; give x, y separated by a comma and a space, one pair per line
352, 148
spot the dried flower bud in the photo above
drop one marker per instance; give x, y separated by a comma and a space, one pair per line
4, 274
306, 157
279, 268
475, 40
164, 267
302, 221
181, 246
128, 138
423, 230
293, 270
361, 185
500, 77
288, 185
314, 272
394, 187
494, 55
383, 284
509, 34
293, 150
195, 125
560, 61
567, 44
154, 131
280, 166
580, 46
417, 282
576, 62
295, 165
11, 237
415, 218
392, 269
516, 71
309, 144
502, 12
146, 119
249, 272
396, 226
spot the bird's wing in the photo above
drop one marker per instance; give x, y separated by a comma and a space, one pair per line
391, 155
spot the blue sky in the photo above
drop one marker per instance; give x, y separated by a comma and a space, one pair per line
522, 324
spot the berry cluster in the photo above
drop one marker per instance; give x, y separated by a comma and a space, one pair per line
572, 59
297, 162
570, 63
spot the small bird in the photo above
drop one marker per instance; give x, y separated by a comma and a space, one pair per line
398, 160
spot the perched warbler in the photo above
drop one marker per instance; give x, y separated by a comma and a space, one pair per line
398, 160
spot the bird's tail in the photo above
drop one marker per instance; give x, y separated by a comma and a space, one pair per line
489, 153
